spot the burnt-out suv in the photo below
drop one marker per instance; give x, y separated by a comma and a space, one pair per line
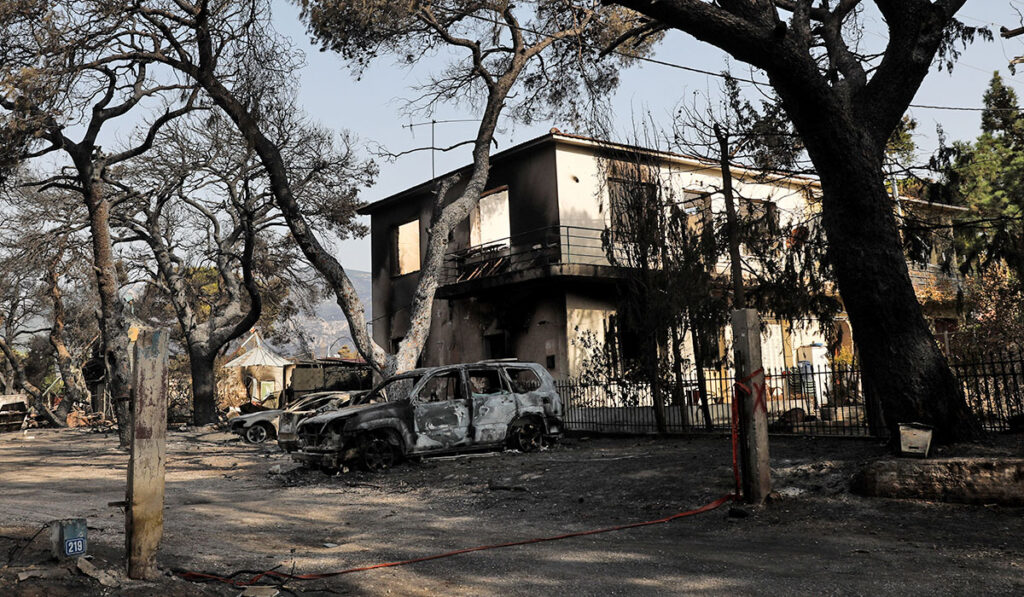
437, 410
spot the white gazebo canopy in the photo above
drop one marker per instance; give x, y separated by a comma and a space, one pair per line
258, 355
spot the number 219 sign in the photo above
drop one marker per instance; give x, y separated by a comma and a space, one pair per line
74, 547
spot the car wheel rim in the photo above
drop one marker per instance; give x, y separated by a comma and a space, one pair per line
528, 436
377, 454
257, 435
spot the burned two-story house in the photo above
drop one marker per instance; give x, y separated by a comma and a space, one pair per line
528, 274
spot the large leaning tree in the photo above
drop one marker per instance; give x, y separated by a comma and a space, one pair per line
64, 84
217, 255
531, 56
845, 100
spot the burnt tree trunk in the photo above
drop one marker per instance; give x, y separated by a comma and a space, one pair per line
6, 376
113, 329
739, 300
204, 387
657, 389
679, 391
900, 357
75, 389
702, 382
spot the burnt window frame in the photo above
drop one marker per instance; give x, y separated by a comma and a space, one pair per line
461, 389
507, 369
506, 386
396, 261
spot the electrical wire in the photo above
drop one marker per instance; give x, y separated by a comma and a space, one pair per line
719, 75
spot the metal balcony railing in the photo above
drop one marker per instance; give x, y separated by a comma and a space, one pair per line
543, 247
579, 245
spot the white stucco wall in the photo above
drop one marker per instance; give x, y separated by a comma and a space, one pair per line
583, 203
583, 196
584, 316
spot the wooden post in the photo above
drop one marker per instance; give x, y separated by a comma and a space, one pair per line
144, 523
753, 409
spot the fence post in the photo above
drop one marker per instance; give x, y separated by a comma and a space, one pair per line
872, 408
144, 520
753, 407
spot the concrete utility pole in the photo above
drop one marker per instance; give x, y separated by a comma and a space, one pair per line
753, 408
746, 340
144, 521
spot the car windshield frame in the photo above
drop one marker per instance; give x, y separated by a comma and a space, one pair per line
307, 402
368, 398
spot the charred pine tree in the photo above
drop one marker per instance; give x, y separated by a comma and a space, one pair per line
65, 72
507, 46
846, 104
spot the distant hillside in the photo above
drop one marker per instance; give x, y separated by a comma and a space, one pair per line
328, 329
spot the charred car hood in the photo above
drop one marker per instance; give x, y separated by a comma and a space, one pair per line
263, 415
341, 413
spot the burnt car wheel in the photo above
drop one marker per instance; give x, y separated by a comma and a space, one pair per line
526, 436
257, 434
376, 452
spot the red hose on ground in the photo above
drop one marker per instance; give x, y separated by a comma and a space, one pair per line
203, 577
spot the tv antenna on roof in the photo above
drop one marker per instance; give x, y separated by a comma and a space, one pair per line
433, 145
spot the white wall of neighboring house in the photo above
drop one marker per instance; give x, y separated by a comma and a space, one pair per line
583, 203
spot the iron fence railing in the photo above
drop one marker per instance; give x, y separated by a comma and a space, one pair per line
994, 388
801, 400
552, 245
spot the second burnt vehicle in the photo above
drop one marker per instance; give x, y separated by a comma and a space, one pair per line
437, 410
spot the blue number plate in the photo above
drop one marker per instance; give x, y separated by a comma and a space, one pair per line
74, 547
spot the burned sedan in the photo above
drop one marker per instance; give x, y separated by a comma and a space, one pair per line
258, 427
307, 406
437, 410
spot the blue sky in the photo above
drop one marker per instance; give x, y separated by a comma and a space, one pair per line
370, 107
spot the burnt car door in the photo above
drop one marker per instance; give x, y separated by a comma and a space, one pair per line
494, 406
527, 386
441, 413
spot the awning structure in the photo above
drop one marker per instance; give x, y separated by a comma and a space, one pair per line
258, 355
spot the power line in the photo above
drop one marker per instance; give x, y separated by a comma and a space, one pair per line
716, 74
964, 108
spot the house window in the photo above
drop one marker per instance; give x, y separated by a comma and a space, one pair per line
629, 201
697, 207
488, 222
761, 217
407, 248
497, 346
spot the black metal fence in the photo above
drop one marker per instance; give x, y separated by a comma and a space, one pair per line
801, 401
994, 387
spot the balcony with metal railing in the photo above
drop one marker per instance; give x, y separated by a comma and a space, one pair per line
582, 252
553, 251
